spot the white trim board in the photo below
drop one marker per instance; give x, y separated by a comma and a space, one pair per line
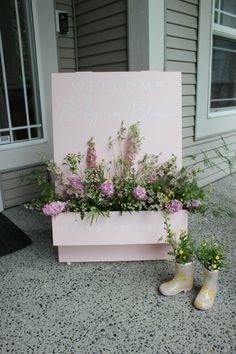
208, 124
146, 35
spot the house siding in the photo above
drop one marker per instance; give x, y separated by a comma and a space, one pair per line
101, 27
181, 36
97, 38
18, 185
66, 42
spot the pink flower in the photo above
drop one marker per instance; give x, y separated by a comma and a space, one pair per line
91, 154
75, 185
130, 150
53, 208
107, 188
139, 193
174, 206
152, 179
194, 203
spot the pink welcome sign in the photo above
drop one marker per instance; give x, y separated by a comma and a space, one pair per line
87, 104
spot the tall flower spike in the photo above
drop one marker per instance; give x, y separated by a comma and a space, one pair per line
133, 143
91, 154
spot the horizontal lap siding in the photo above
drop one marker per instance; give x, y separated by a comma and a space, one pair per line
19, 186
181, 55
102, 35
66, 42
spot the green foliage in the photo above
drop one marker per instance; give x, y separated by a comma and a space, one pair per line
73, 161
182, 248
47, 194
221, 154
211, 254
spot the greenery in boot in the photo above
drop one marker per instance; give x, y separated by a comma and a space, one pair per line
182, 247
211, 254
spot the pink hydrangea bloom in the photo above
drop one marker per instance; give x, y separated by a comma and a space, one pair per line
174, 206
107, 188
139, 193
75, 184
53, 208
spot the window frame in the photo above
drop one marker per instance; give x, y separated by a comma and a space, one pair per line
28, 125
210, 123
41, 49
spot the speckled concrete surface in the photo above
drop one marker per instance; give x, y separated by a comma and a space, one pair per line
103, 308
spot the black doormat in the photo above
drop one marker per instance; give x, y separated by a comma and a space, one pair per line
11, 237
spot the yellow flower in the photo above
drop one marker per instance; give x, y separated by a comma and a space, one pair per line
214, 266
217, 257
181, 252
171, 194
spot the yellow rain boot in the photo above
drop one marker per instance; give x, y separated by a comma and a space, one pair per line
206, 297
182, 281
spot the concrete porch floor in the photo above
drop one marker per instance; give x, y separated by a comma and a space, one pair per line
103, 308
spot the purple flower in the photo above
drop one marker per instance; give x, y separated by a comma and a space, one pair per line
53, 208
107, 188
174, 206
139, 193
75, 185
194, 203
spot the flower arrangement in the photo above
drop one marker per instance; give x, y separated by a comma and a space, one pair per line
182, 249
122, 184
211, 254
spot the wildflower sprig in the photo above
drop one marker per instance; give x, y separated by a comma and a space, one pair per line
182, 247
211, 253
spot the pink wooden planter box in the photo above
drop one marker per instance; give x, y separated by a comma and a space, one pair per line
126, 237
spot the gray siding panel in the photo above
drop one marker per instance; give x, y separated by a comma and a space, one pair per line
177, 18
91, 5
181, 31
66, 42
99, 36
181, 43
18, 186
181, 54
102, 35
115, 45
184, 7
101, 13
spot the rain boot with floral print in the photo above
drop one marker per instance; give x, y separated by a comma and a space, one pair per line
182, 281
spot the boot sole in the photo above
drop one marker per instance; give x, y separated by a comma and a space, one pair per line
173, 294
201, 308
